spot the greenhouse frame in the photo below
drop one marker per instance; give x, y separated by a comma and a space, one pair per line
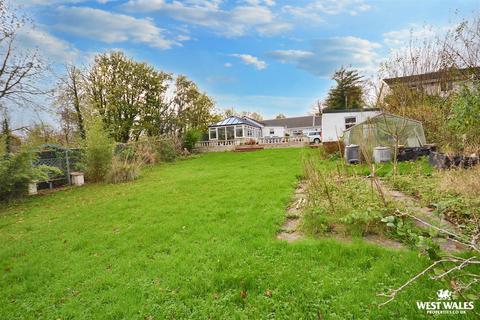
386, 130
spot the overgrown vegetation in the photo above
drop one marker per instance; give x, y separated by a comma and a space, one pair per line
448, 112
347, 201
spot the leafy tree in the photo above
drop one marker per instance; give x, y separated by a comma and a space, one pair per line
280, 116
348, 91
194, 108
124, 92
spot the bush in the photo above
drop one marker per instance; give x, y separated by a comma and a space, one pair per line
168, 149
464, 121
123, 170
98, 151
190, 138
145, 152
16, 172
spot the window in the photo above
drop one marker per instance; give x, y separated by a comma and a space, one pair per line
445, 86
297, 132
315, 133
272, 131
221, 133
213, 133
249, 132
230, 133
239, 131
350, 122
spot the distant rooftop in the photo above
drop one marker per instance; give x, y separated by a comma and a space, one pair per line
452, 74
294, 122
350, 110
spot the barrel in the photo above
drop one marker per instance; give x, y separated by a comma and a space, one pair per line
352, 153
382, 154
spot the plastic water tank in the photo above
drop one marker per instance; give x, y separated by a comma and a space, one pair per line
382, 154
352, 153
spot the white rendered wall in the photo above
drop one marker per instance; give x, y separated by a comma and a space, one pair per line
333, 124
278, 131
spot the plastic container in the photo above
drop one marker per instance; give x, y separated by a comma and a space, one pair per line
382, 154
352, 153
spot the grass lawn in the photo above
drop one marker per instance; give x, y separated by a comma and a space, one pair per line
193, 239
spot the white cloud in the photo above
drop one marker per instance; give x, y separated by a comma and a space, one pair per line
251, 60
49, 47
269, 3
227, 64
237, 21
326, 55
56, 2
289, 55
316, 10
111, 27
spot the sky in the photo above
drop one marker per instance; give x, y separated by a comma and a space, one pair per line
261, 56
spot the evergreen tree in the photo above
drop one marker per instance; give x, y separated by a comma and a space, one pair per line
347, 94
7, 139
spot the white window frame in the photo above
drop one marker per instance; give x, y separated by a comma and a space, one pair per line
350, 124
243, 132
210, 136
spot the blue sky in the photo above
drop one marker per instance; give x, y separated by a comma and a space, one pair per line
256, 55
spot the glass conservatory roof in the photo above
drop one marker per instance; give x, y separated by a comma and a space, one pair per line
234, 120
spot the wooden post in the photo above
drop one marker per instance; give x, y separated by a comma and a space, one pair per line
67, 160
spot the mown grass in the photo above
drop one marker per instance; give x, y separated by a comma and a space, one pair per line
193, 239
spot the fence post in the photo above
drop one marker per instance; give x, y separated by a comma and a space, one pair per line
67, 160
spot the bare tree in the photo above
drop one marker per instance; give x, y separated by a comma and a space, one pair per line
71, 98
19, 70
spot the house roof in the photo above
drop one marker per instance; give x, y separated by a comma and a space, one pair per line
233, 120
295, 122
350, 110
435, 76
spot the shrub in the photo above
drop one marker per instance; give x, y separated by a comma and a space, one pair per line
168, 149
464, 121
98, 151
145, 152
190, 138
123, 170
16, 172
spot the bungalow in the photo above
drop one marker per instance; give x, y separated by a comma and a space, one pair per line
235, 127
295, 126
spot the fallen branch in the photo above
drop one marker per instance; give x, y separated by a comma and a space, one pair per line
393, 293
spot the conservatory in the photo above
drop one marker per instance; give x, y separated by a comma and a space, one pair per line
235, 127
386, 130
